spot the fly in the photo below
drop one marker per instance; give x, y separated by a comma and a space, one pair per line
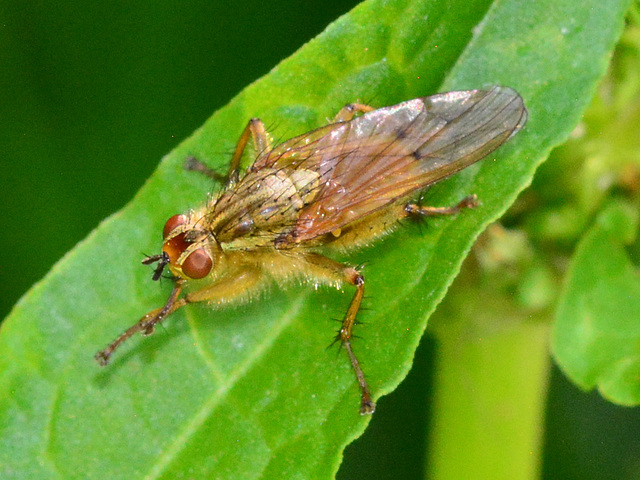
338, 187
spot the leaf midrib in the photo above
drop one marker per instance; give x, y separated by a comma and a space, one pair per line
180, 440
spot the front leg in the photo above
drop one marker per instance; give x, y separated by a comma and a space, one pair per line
146, 325
233, 286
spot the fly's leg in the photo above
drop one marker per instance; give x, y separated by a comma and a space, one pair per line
236, 285
367, 405
255, 131
417, 210
230, 287
146, 325
194, 165
349, 111
334, 271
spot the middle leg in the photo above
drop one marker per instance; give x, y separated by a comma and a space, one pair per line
336, 272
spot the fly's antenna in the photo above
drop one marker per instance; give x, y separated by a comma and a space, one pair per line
162, 259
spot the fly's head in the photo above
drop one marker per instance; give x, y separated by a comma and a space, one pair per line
188, 249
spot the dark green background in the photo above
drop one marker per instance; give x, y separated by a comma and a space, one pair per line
93, 94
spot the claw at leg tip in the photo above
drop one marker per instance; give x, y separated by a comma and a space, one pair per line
102, 359
367, 408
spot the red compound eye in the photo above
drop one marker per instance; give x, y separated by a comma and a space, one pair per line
172, 223
198, 264
175, 247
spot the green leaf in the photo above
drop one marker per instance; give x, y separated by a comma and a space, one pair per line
597, 332
251, 391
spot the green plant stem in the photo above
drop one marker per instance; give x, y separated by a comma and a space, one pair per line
490, 391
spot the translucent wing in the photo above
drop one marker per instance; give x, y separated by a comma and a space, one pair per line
373, 160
